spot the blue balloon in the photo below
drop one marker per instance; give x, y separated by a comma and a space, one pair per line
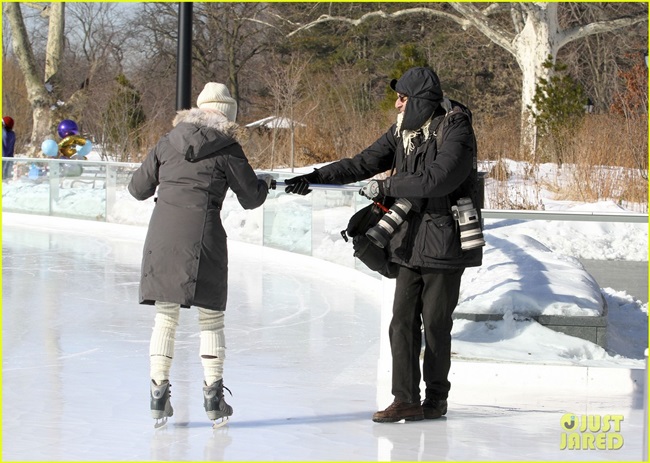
83, 150
34, 172
50, 148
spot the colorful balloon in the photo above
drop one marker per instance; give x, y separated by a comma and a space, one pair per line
84, 150
68, 146
50, 148
34, 171
68, 127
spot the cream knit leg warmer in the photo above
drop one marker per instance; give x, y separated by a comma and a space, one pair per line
161, 347
213, 344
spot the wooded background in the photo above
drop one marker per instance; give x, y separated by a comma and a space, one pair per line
113, 71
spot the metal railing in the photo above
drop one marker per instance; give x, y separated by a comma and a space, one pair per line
97, 190
571, 216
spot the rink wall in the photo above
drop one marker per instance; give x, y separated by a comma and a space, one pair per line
521, 382
517, 378
584, 380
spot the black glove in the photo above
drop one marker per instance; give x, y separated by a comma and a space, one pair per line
300, 185
268, 181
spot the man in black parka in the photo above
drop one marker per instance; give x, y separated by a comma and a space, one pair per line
432, 171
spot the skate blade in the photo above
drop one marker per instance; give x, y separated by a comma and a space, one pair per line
219, 424
160, 422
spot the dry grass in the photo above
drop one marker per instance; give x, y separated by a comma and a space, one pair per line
609, 160
606, 158
497, 138
335, 126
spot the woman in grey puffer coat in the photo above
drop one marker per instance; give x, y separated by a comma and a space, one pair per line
185, 257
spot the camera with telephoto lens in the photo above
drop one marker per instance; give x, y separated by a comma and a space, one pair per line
465, 214
380, 234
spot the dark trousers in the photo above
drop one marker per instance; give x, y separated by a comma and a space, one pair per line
423, 297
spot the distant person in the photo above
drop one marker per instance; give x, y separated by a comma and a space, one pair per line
185, 257
8, 144
432, 174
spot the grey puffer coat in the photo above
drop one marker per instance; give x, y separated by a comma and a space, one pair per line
185, 257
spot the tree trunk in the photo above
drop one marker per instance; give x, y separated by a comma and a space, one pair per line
533, 46
54, 51
41, 101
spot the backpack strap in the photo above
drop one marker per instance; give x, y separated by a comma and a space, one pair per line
452, 108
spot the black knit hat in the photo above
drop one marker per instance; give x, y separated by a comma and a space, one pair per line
422, 86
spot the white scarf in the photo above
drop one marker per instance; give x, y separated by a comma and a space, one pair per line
409, 135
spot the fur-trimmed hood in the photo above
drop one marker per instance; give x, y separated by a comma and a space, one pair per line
201, 133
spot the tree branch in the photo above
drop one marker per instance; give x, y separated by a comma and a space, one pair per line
598, 27
381, 14
263, 23
518, 19
490, 29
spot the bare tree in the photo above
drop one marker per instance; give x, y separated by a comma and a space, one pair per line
60, 91
238, 37
226, 38
596, 61
42, 87
100, 37
285, 81
534, 34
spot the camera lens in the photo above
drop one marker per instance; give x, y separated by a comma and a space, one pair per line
378, 236
471, 235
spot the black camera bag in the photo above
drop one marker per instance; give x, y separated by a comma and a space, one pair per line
374, 257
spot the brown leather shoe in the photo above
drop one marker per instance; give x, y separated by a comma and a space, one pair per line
398, 411
434, 409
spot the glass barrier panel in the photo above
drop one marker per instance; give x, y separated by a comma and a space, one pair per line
121, 207
330, 215
78, 190
241, 224
288, 222
27, 188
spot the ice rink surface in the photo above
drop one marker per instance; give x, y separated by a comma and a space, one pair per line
303, 342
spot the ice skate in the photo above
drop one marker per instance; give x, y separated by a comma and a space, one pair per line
161, 405
215, 405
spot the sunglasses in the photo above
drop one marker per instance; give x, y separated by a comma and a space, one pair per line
402, 98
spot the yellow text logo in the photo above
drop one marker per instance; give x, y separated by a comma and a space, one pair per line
591, 432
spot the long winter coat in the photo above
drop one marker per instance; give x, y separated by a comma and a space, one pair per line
185, 257
433, 177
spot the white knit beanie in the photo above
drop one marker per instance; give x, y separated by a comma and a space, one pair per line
216, 96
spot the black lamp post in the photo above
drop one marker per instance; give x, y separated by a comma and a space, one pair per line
184, 57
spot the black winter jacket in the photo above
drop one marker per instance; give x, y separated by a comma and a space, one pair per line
433, 178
